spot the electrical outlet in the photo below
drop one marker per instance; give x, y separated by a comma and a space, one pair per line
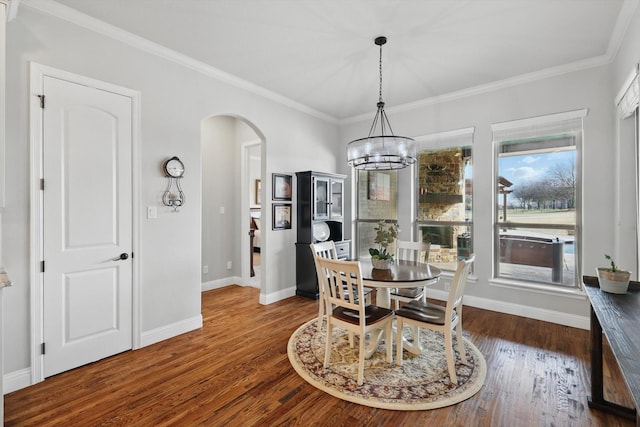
229, 265
205, 269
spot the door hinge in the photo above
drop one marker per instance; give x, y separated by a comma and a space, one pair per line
42, 348
41, 183
41, 100
42, 266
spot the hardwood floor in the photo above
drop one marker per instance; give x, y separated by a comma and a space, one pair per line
235, 372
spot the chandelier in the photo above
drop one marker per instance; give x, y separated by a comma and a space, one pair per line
381, 151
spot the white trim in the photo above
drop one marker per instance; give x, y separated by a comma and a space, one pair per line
221, 283
37, 73
169, 331
266, 299
621, 26
540, 288
92, 24
491, 87
539, 120
537, 313
446, 134
71, 15
17, 380
627, 84
12, 10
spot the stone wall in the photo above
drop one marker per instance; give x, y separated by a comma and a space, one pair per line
441, 188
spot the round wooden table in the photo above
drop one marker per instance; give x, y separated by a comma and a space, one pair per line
402, 274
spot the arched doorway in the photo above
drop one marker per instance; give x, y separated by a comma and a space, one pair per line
232, 162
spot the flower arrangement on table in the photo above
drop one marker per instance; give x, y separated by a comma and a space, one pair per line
385, 235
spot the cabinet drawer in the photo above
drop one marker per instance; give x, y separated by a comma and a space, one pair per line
342, 250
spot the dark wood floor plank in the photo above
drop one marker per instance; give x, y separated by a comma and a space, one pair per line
235, 371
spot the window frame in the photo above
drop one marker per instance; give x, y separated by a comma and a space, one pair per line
458, 138
531, 128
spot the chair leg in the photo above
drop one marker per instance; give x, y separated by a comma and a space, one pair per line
388, 336
463, 354
361, 351
327, 348
399, 341
448, 349
320, 311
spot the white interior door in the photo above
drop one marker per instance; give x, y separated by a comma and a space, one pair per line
87, 224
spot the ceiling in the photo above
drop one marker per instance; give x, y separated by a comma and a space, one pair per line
321, 53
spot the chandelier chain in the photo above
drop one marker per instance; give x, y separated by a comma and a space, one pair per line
380, 65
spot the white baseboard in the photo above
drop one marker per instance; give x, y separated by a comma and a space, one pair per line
16, 380
221, 283
266, 299
537, 313
20, 379
169, 331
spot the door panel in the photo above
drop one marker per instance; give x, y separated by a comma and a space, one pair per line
87, 224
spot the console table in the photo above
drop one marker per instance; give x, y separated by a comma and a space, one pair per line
618, 317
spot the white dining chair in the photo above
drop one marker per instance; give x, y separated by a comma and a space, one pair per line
437, 318
413, 252
327, 249
347, 310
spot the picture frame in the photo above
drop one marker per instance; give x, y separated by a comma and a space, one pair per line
282, 187
258, 190
281, 216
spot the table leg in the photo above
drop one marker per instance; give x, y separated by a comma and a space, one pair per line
383, 297
597, 400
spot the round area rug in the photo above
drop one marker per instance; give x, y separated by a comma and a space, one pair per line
422, 382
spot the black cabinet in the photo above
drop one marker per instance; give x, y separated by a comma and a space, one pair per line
320, 211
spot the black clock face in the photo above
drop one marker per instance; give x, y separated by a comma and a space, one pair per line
174, 167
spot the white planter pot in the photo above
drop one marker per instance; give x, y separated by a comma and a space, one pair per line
381, 264
615, 283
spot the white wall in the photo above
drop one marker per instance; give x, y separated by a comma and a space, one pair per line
626, 132
175, 99
577, 90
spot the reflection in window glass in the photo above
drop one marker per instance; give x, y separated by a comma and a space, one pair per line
377, 200
445, 204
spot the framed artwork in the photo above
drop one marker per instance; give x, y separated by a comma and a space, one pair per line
282, 187
379, 186
281, 216
258, 190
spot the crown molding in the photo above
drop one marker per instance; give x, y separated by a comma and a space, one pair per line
68, 14
493, 86
617, 37
71, 15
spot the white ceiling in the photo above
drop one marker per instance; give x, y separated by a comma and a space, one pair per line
320, 53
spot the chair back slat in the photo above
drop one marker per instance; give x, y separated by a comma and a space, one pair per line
413, 251
323, 250
343, 287
459, 282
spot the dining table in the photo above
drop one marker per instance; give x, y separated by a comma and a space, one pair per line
400, 274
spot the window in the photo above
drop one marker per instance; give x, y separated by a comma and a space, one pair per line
377, 200
445, 197
537, 199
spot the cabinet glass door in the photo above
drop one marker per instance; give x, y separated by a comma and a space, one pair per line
336, 199
321, 198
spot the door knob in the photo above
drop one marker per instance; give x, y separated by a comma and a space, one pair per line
122, 257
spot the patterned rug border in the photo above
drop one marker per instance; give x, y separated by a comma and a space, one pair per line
467, 390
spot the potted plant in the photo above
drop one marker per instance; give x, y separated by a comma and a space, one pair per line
612, 279
385, 235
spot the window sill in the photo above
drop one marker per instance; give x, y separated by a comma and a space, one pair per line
539, 288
